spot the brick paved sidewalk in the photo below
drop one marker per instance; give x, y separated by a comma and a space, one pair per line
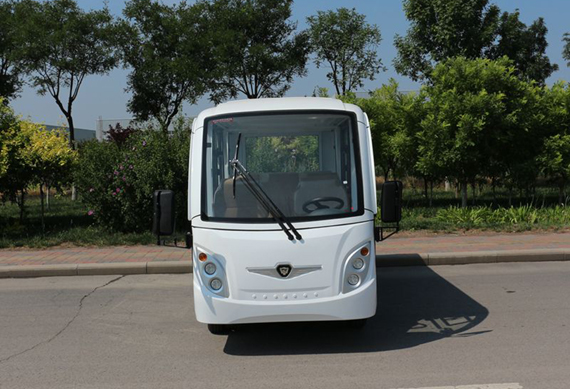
394, 245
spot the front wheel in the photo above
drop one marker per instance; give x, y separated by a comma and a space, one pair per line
219, 329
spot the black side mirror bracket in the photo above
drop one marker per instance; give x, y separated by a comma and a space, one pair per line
379, 232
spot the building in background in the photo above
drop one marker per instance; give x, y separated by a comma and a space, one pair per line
102, 126
81, 134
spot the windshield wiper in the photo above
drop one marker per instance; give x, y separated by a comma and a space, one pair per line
258, 192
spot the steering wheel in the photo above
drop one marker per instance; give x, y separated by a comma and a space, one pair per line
317, 202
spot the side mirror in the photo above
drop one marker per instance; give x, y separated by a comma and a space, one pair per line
391, 202
163, 220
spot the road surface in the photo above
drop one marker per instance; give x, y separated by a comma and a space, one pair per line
497, 326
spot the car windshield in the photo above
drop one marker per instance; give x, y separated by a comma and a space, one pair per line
306, 163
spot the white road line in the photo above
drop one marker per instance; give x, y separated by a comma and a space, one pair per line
484, 386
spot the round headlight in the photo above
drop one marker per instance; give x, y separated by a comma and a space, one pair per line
353, 279
216, 284
210, 268
358, 263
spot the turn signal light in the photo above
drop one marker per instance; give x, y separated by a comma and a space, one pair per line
364, 251
202, 257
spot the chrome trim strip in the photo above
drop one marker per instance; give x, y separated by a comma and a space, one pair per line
295, 271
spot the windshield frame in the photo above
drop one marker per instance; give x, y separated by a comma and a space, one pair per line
295, 219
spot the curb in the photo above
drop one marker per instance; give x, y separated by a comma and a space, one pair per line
96, 269
390, 260
472, 257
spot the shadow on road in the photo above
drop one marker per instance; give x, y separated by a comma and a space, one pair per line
415, 306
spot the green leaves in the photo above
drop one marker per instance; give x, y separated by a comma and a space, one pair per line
481, 120
443, 29
165, 48
394, 121
31, 155
59, 45
117, 182
345, 42
253, 48
566, 50
10, 65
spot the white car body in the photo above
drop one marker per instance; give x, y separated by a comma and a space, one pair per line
245, 253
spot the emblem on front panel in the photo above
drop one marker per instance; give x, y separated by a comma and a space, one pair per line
284, 270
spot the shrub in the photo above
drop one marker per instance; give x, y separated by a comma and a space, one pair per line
29, 154
117, 182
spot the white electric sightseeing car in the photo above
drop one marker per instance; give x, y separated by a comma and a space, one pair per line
282, 203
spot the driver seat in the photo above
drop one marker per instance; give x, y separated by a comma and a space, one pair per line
321, 184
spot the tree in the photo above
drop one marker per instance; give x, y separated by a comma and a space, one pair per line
472, 29
555, 161
344, 41
566, 51
525, 46
164, 46
10, 77
253, 48
394, 120
60, 45
49, 158
479, 120
15, 172
443, 29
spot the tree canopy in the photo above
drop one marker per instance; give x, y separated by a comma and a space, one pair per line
442, 29
566, 50
10, 72
345, 42
525, 46
254, 49
478, 120
60, 44
394, 121
163, 46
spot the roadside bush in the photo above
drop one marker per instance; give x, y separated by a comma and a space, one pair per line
29, 154
525, 215
117, 181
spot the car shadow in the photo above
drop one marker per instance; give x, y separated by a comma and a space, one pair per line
415, 306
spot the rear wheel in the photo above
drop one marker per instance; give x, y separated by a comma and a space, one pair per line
219, 329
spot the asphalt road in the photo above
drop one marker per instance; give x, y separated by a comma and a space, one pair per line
484, 326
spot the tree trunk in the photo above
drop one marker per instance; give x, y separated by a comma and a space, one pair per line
72, 146
21, 204
42, 202
47, 197
474, 192
426, 189
430, 194
561, 194
71, 131
464, 194
494, 188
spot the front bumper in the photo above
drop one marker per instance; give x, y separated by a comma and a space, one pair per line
358, 304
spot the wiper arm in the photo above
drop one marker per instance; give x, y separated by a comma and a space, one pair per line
264, 199
235, 170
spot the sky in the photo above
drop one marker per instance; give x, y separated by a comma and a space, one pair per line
105, 96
